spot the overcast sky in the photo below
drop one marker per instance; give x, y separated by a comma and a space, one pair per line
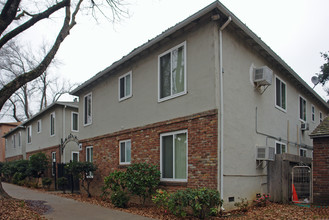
297, 30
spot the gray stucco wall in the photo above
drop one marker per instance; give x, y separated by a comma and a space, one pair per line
110, 115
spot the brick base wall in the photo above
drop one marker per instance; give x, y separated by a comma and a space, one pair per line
18, 157
321, 171
145, 147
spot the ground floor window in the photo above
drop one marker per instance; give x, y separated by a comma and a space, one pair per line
173, 156
280, 148
125, 152
302, 152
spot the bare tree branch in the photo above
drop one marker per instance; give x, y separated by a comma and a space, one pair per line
8, 14
32, 21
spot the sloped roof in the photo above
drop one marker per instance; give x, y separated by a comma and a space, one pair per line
240, 28
70, 104
322, 130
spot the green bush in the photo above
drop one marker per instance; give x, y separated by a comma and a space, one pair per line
203, 202
18, 177
115, 184
62, 183
119, 199
46, 182
142, 180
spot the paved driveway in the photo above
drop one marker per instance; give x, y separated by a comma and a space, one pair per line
63, 208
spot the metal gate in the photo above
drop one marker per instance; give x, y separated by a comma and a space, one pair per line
301, 184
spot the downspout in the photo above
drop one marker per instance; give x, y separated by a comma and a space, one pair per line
221, 122
63, 138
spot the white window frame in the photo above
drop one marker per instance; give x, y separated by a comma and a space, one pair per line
302, 150
19, 139
29, 134
285, 103
172, 134
74, 152
90, 120
320, 117
90, 159
126, 96
6, 143
13, 141
72, 121
299, 109
185, 78
125, 142
39, 128
53, 159
313, 113
52, 117
281, 144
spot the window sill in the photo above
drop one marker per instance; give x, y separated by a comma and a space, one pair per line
171, 97
168, 183
281, 109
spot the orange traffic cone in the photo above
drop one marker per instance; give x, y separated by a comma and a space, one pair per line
294, 194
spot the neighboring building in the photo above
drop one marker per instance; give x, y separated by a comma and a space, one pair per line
320, 138
4, 128
198, 102
46, 131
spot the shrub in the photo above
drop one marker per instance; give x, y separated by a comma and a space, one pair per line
261, 200
161, 199
142, 179
38, 164
46, 182
115, 184
62, 183
203, 202
18, 177
242, 205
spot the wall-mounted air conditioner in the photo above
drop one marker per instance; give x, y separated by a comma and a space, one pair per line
263, 76
304, 126
265, 153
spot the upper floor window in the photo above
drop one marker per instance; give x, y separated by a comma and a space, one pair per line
19, 139
125, 86
75, 121
52, 124
173, 156
125, 152
280, 148
313, 113
39, 126
280, 94
87, 114
13, 140
320, 115
302, 152
172, 72
302, 108
29, 134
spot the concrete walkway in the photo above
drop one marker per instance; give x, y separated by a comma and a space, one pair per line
63, 208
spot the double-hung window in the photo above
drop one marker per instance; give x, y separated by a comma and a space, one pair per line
19, 139
75, 121
89, 158
173, 156
280, 94
313, 113
280, 148
52, 124
302, 109
172, 72
39, 126
29, 134
13, 140
125, 86
320, 116
87, 113
125, 152
302, 152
